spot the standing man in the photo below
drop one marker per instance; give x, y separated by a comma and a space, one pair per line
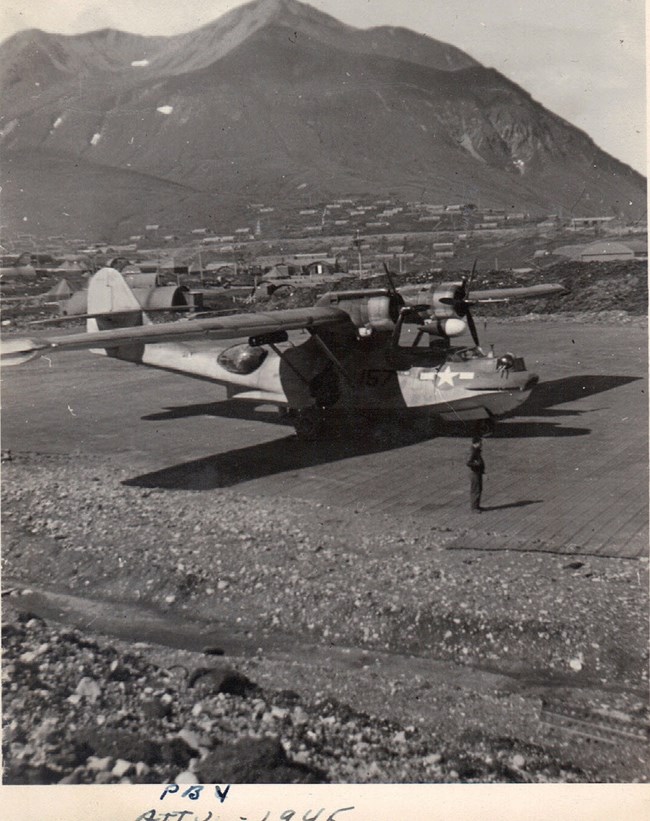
477, 466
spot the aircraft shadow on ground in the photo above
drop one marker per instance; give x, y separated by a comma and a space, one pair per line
259, 460
546, 395
248, 412
509, 429
229, 409
290, 454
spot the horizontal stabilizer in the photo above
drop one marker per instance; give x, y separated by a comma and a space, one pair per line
18, 351
54, 320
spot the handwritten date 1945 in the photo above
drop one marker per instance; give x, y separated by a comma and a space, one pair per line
286, 815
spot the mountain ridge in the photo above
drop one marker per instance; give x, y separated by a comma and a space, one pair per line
274, 94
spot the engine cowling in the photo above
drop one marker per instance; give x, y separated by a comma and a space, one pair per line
447, 291
381, 313
376, 310
445, 318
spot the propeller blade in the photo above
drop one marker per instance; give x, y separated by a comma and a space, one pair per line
468, 284
391, 283
472, 327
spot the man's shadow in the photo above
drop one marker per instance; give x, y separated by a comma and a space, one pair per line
522, 503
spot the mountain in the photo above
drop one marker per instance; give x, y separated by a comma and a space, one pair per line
269, 100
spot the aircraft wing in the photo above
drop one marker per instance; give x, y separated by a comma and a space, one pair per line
16, 351
524, 292
422, 294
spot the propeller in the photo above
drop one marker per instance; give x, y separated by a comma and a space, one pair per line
395, 296
398, 298
391, 283
468, 283
461, 304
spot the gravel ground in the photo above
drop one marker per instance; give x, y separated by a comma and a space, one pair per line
81, 710
368, 653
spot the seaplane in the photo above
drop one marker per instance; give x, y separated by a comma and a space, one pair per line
343, 357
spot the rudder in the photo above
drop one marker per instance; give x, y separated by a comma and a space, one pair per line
112, 303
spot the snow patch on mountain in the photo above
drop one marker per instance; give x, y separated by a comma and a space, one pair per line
466, 142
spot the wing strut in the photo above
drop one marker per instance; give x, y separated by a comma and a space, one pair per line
287, 362
330, 355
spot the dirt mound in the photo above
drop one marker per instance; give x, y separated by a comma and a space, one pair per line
593, 287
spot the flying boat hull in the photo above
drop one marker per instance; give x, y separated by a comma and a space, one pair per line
454, 391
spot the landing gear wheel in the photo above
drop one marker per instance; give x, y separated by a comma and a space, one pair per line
485, 427
308, 423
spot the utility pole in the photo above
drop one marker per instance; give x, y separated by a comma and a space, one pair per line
357, 242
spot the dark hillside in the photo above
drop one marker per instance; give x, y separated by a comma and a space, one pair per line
594, 287
276, 97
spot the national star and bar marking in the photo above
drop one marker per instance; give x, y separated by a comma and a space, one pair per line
445, 377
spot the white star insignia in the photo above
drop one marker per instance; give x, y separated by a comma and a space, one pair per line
446, 377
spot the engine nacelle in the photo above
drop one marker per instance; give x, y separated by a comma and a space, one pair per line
381, 313
450, 291
376, 310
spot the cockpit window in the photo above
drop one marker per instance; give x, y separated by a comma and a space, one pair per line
420, 348
464, 354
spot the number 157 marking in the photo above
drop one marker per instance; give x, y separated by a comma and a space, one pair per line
376, 378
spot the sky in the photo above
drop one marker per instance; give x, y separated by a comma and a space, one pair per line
583, 59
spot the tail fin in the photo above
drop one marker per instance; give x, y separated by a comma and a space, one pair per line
112, 303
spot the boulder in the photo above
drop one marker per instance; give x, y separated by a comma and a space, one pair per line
255, 761
120, 744
209, 680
